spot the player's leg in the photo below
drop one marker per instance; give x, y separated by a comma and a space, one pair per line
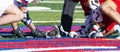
11, 15
109, 8
64, 28
96, 31
87, 25
67, 16
17, 32
88, 6
28, 21
104, 32
105, 28
93, 5
115, 29
66, 19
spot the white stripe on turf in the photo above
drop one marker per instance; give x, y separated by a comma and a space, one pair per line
62, 48
57, 21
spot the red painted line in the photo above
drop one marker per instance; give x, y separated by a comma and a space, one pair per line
42, 28
62, 42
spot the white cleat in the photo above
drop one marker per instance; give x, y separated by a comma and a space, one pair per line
74, 34
118, 37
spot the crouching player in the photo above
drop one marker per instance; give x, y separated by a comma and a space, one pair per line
105, 22
7, 14
22, 5
88, 20
66, 20
110, 10
88, 6
102, 26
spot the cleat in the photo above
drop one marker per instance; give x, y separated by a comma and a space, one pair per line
57, 32
74, 35
62, 32
39, 34
118, 37
92, 34
53, 33
95, 34
77, 34
81, 32
18, 33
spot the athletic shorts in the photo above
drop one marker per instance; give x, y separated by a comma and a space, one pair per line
4, 5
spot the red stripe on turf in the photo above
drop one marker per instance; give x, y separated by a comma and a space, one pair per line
42, 28
62, 42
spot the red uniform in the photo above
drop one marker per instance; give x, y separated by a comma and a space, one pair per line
24, 2
117, 2
85, 8
109, 24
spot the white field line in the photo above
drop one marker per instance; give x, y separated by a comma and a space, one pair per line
39, 8
58, 21
36, 8
51, 1
81, 21
78, 7
61, 48
51, 10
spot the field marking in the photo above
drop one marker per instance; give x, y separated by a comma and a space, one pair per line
51, 1
61, 48
48, 9
55, 21
40, 1
53, 10
58, 21
33, 8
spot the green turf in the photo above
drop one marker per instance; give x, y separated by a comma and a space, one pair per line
48, 16
52, 16
53, 6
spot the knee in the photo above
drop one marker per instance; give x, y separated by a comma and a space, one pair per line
19, 16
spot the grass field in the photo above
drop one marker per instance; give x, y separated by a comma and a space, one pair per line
40, 16
52, 16
55, 44
54, 6
49, 16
